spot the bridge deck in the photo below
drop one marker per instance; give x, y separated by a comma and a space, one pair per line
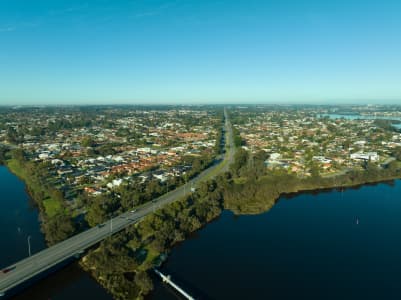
29, 267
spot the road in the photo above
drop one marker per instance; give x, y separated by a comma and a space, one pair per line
49, 257
230, 147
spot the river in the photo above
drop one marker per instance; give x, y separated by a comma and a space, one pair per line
19, 220
364, 117
328, 245
359, 117
331, 245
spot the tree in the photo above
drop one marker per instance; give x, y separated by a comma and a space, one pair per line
18, 154
57, 195
88, 142
97, 213
397, 153
106, 149
123, 132
393, 166
238, 141
58, 228
240, 161
143, 281
314, 169
3, 152
12, 135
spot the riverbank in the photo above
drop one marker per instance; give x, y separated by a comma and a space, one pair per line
258, 196
20, 228
55, 219
127, 276
121, 263
18, 221
123, 270
158, 234
325, 245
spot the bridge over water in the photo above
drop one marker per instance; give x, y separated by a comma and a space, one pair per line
30, 267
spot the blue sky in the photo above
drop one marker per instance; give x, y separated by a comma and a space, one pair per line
182, 51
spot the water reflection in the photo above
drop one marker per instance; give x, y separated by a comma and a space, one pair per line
334, 245
19, 220
69, 283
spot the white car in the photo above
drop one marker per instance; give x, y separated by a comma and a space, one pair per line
133, 211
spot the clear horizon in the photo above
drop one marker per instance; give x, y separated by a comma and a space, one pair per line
342, 102
200, 52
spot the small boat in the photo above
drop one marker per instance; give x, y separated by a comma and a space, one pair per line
357, 221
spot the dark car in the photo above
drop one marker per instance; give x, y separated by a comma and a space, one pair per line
9, 269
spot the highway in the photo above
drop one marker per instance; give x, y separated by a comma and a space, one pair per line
49, 257
229, 138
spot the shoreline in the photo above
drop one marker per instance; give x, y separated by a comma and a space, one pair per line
90, 268
28, 191
334, 187
253, 206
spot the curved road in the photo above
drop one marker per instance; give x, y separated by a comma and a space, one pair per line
27, 268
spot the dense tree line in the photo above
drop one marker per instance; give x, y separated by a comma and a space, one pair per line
219, 146
36, 175
3, 154
120, 258
247, 188
253, 189
14, 136
238, 141
397, 153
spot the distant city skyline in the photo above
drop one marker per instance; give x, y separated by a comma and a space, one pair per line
200, 52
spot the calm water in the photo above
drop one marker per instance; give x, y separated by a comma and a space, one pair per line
334, 245
357, 117
18, 220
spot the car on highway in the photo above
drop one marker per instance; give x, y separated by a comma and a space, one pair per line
9, 269
134, 210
